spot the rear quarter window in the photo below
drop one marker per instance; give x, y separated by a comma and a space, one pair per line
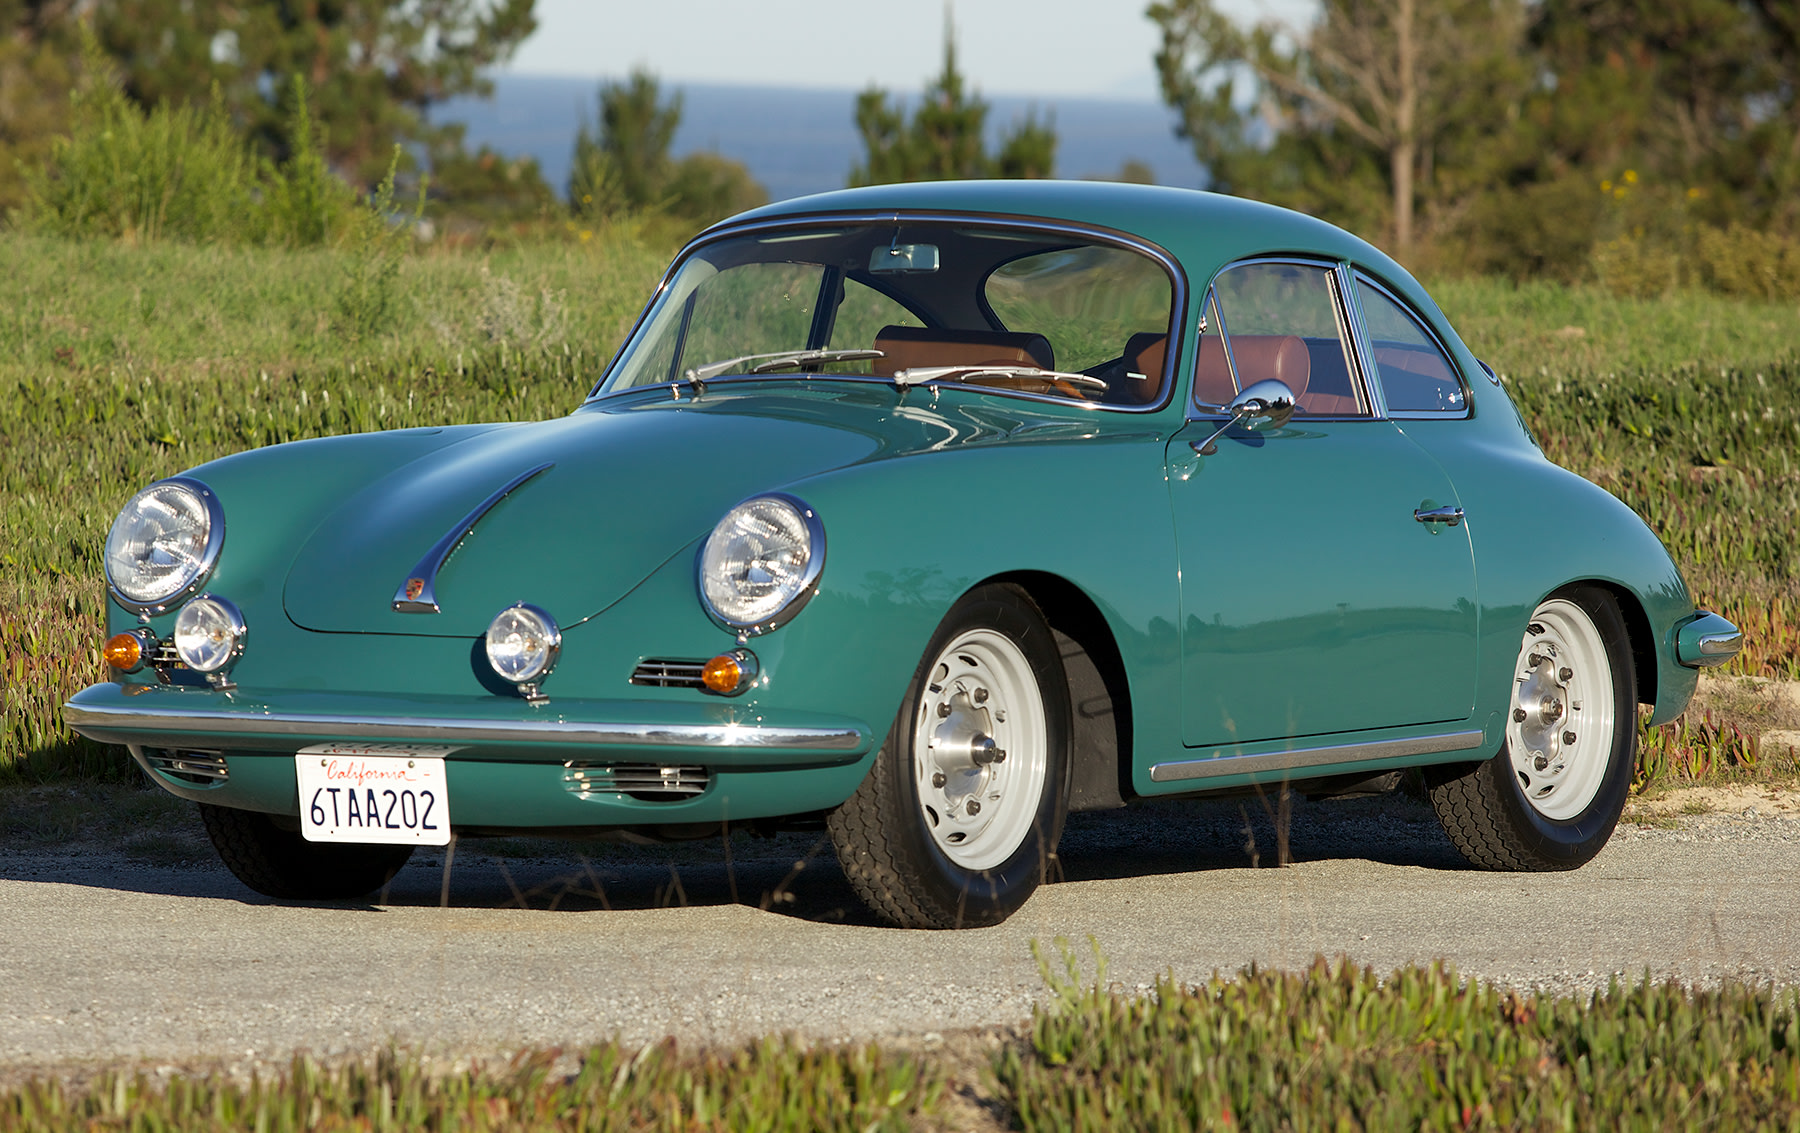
1417, 377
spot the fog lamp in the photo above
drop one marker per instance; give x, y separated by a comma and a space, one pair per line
209, 637
730, 673
523, 642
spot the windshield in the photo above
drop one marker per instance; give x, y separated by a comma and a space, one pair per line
1014, 309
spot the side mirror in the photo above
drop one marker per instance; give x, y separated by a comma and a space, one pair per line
1268, 404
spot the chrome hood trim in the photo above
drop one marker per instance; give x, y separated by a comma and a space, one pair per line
417, 594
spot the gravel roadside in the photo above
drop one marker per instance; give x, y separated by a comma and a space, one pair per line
146, 951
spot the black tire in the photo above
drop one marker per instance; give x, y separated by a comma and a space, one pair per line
1485, 807
280, 863
894, 845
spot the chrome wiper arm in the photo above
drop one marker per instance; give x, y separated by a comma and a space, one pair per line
922, 375
813, 357
777, 360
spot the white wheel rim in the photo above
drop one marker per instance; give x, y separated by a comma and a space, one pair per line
1560, 725
980, 697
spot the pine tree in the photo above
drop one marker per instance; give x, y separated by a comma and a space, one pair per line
374, 69
944, 139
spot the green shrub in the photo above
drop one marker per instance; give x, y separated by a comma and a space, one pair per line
1637, 267
303, 203
177, 173
1746, 262
182, 173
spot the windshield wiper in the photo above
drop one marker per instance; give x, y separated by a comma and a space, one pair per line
779, 360
922, 375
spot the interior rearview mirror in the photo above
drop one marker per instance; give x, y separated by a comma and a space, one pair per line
904, 259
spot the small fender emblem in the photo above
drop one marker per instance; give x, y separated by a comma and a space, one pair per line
414, 587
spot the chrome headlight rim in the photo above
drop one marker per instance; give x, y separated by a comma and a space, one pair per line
235, 626
209, 556
809, 577
552, 633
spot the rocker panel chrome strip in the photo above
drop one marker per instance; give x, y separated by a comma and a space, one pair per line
1221, 765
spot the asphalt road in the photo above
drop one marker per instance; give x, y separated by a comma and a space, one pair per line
105, 960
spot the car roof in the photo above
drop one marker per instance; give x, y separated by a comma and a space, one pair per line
1204, 231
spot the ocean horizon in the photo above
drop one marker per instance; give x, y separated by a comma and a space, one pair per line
797, 141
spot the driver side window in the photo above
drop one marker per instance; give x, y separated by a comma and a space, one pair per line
1283, 321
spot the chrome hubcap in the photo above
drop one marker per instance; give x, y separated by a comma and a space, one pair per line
979, 749
1560, 732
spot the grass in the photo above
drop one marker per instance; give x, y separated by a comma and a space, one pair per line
1331, 1047
120, 364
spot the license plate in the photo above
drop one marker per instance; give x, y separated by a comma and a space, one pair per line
374, 793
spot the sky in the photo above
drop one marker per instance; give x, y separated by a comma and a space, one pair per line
1047, 48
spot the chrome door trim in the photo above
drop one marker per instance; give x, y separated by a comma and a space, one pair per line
1219, 765
1364, 352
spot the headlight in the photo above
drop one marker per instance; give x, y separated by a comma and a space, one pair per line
759, 565
163, 545
209, 636
522, 645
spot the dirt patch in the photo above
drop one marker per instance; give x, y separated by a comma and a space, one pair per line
1754, 800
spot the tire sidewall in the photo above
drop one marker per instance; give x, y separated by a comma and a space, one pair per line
988, 896
1571, 842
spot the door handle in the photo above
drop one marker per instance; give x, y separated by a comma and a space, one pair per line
1449, 516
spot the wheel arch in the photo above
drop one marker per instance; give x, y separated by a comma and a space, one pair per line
1099, 689
1642, 638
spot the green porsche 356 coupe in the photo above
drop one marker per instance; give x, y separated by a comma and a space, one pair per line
932, 512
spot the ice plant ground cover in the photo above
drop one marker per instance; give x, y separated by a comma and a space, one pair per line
1331, 1047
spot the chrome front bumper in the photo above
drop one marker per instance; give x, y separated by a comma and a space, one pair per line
727, 735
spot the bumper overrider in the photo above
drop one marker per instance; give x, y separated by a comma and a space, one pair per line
1706, 641
510, 765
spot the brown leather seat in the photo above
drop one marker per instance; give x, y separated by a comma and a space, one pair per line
1212, 374
1144, 355
1283, 357
905, 347
1259, 357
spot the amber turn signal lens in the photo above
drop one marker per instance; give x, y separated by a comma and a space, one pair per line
123, 652
729, 673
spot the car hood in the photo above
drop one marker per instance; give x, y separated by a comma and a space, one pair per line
628, 488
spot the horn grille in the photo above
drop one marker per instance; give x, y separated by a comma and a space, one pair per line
648, 782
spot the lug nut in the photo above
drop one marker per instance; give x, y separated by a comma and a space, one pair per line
938, 780
1540, 762
974, 806
1518, 715
1568, 737
1565, 674
1534, 661
944, 710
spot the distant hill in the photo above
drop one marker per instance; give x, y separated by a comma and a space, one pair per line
803, 141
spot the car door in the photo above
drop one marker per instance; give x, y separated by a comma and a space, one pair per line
1314, 599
